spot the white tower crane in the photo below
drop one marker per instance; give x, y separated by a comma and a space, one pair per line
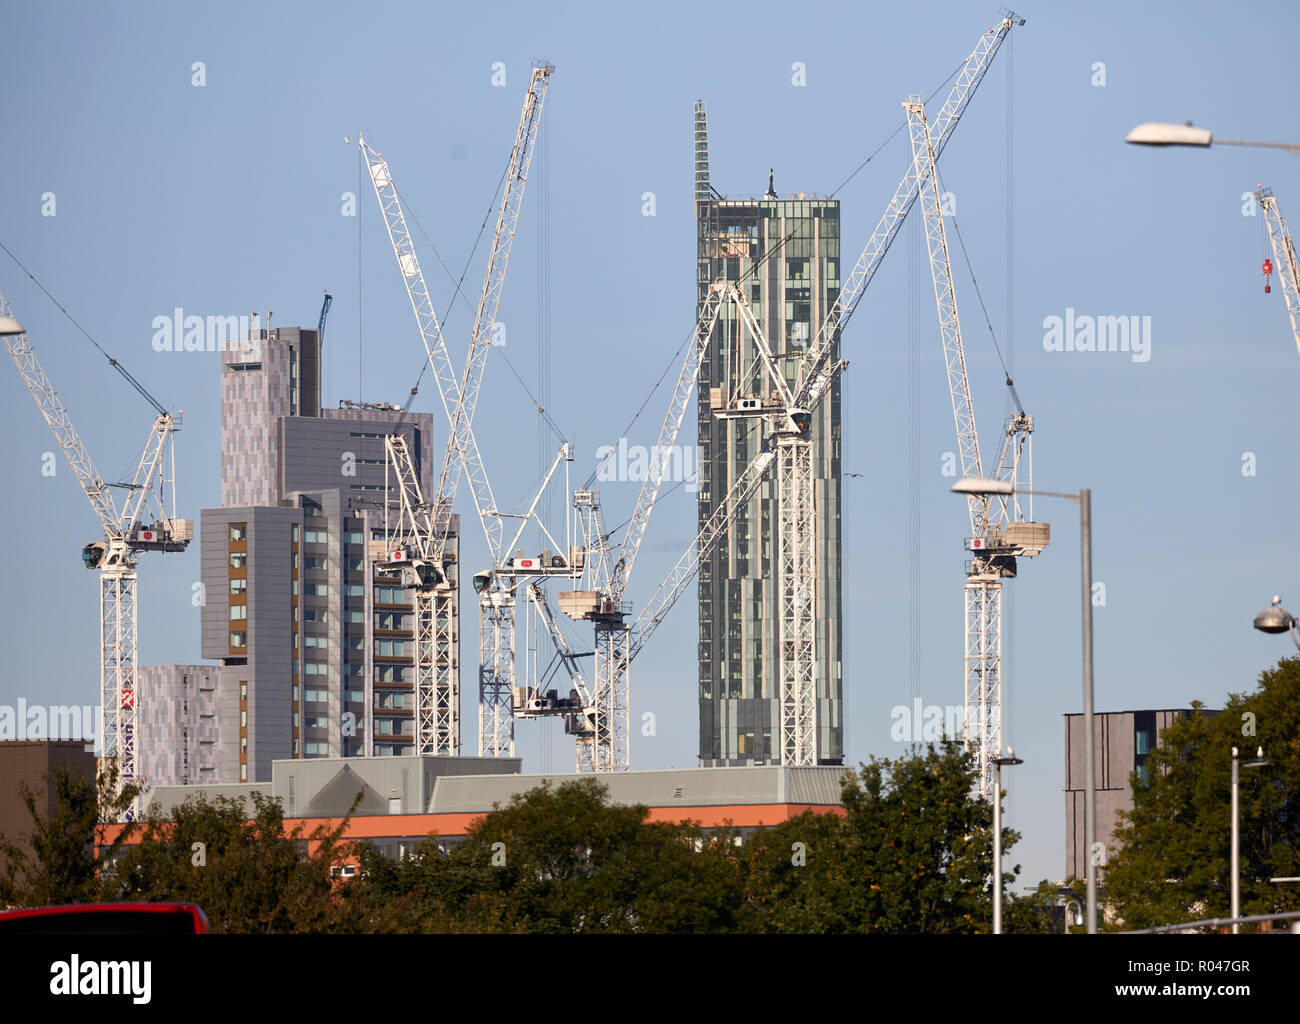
126, 535
617, 641
1284, 253
994, 547
790, 443
459, 394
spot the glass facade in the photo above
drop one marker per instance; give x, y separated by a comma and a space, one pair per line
785, 254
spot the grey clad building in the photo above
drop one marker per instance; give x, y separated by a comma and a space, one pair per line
1121, 742
785, 252
315, 646
177, 723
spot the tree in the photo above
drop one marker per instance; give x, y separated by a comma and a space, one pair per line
911, 854
249, 876
61, 865
1175, 859
559, 860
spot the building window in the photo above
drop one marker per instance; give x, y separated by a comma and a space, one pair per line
354, 537
243, 744
318, 589
317, 537
238, 611
238, 559
295, 719
315, 641
1143, 742
295, 691
315, 747
317, 722
238, 532
356, 590
295, 533
390, 648
295, 588
356, 616
317, 615
239, 639
243, 691
238, 586
388, 673
243, 773
243, 718
315, 696
355, 670
317, 562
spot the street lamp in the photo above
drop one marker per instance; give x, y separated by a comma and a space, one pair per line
998, 762
1155, 133
1078, 917
979, 485
1276, 619
1258, 761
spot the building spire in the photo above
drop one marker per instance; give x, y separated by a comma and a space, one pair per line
703, 189
771, 188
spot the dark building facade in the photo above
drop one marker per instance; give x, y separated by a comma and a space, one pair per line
785, 253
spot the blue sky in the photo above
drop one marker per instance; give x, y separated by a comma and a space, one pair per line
227, 198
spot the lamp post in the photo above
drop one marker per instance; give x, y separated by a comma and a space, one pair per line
998, 762
978, 485
1155, 133
1258, 761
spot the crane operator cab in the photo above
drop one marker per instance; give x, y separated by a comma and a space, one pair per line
92, 554
427, 576
482, 580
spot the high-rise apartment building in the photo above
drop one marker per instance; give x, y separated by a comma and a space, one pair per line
785, 254
315, 645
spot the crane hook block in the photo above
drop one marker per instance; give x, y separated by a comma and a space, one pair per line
1268, 270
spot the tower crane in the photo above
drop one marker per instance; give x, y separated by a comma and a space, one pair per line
788, 444
127, 534
994, 545
1284, 253
459, 394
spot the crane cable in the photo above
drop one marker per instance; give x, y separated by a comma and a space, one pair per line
126, 374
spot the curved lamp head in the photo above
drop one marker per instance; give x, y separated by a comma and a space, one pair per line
1274, 619
1155, 133
983, 485
9, 326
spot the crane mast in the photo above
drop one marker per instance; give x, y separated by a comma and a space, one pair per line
459, 395
1284, 253
993, 551
125, 536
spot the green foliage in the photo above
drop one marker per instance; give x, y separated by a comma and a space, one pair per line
1174, 864
60, 866
913, 853
559, 860
910, 853
248, 876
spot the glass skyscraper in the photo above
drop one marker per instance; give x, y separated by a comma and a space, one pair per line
785, 254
